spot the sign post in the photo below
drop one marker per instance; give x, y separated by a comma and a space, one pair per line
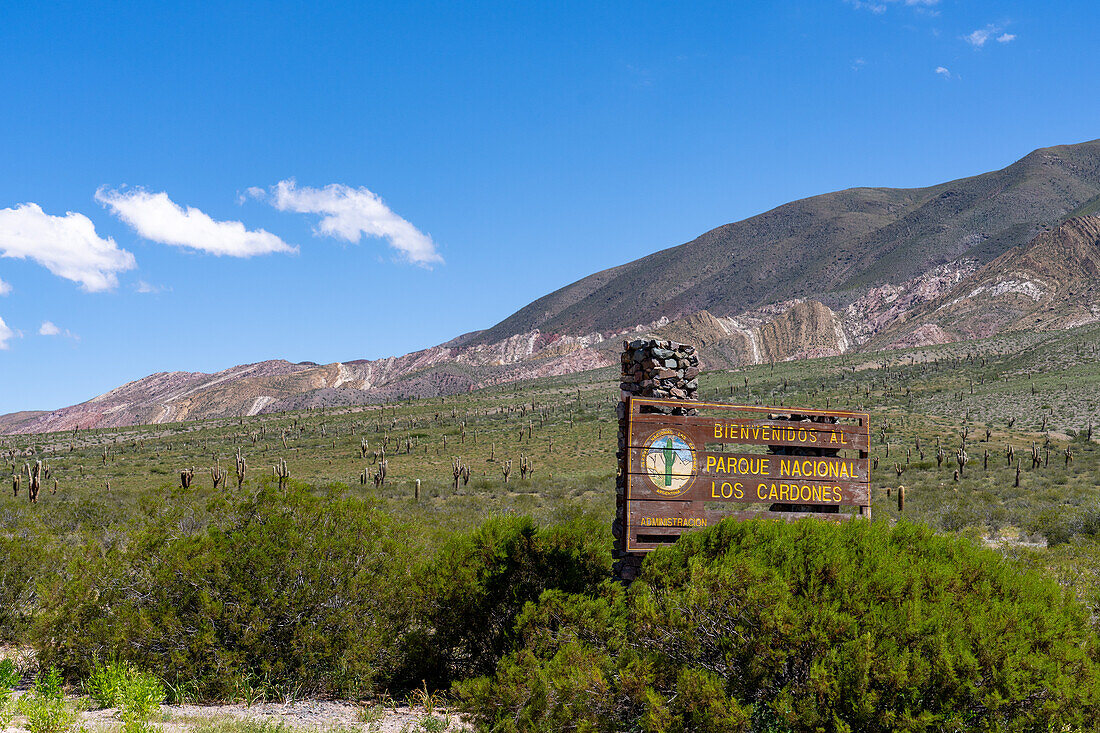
686, 464
663, 370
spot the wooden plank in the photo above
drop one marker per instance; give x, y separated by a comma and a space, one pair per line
636, 535
727, 466
777, 422
679, 515
703, 431
753, 490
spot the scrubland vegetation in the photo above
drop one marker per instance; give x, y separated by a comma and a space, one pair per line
461, 547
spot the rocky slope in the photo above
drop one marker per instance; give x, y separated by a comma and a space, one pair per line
985, 284
1053, 282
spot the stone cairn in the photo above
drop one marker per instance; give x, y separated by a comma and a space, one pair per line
661, 370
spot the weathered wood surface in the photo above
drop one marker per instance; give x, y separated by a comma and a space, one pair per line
712, 430
670, 496
723, 466
684, 515
753, 490
639, 537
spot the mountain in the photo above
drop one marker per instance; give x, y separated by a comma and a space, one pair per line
829, 248
862, 269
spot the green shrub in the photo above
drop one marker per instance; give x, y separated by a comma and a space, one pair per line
135, 693
141, 698
27, 553
9, 678
807, 626
106, 683
471, 592
295, 589
45, 706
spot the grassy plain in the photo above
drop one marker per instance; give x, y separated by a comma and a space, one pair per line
1027, 390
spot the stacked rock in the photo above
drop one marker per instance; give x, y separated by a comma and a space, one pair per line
660, 370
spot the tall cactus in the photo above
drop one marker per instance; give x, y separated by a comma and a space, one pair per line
41, 471
217, 475
281, 472
242, 467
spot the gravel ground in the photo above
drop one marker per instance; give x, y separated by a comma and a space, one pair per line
304, 715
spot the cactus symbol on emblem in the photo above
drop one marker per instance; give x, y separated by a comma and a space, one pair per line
670, 462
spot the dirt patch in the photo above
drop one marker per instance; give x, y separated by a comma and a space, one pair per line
303, 715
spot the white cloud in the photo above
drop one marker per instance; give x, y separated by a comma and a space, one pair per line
978, 38
5, 288
942, 71
348, 213
879, 6
5, 334
145, 288
48, 328
66, 245
157, 218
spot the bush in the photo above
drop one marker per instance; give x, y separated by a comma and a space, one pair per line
45, 707
26, 554
294, 589
106, 683
470, 594
9, 678
135, 693
807, 626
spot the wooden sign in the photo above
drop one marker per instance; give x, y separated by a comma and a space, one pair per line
689, 471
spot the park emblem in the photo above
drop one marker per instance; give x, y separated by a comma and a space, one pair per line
670, 461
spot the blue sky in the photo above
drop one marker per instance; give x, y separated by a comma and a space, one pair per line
333, 181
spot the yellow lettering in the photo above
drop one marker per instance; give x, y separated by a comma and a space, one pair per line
738, 490
760, 491
832, 437
711, 460
717, 430
844, 471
